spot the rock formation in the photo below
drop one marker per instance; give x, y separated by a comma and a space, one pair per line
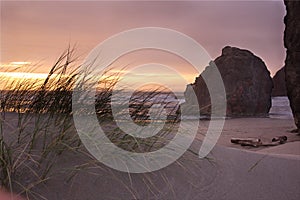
247, 83
292, 62
279, 88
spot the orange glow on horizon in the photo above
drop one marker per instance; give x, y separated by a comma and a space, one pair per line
15, 64
21, 80
23, 75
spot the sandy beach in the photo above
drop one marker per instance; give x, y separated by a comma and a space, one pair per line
150, 100
230, 171
262, 128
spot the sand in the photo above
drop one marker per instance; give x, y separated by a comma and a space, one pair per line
229, 172
262, 128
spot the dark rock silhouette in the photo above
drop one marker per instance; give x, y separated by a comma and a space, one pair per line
279, 88
247, 83
292, 62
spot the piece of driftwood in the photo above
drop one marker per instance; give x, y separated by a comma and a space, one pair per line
256, 142
280, 139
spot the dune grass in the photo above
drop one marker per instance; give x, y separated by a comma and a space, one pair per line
44, 129
29, 146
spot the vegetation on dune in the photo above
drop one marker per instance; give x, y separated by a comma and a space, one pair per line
30, 146
44, 130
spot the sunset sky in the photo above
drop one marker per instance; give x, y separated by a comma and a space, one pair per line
36, 33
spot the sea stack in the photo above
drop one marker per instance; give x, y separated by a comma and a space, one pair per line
247, 83
279, 88
292, 61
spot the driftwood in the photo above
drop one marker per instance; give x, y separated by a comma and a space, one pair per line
256, 142
280, 139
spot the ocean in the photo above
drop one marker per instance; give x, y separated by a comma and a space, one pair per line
281, 108
280, 105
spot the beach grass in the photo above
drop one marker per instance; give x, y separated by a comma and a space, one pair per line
31, 145
44, 129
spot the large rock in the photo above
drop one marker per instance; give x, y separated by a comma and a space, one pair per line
279, 88
247, 83
292, 62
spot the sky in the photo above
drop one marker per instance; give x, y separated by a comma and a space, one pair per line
36, 33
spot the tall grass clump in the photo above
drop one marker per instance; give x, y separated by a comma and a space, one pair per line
32, 143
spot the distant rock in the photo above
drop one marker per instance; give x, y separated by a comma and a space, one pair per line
292, 61
247, 83
279, 88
